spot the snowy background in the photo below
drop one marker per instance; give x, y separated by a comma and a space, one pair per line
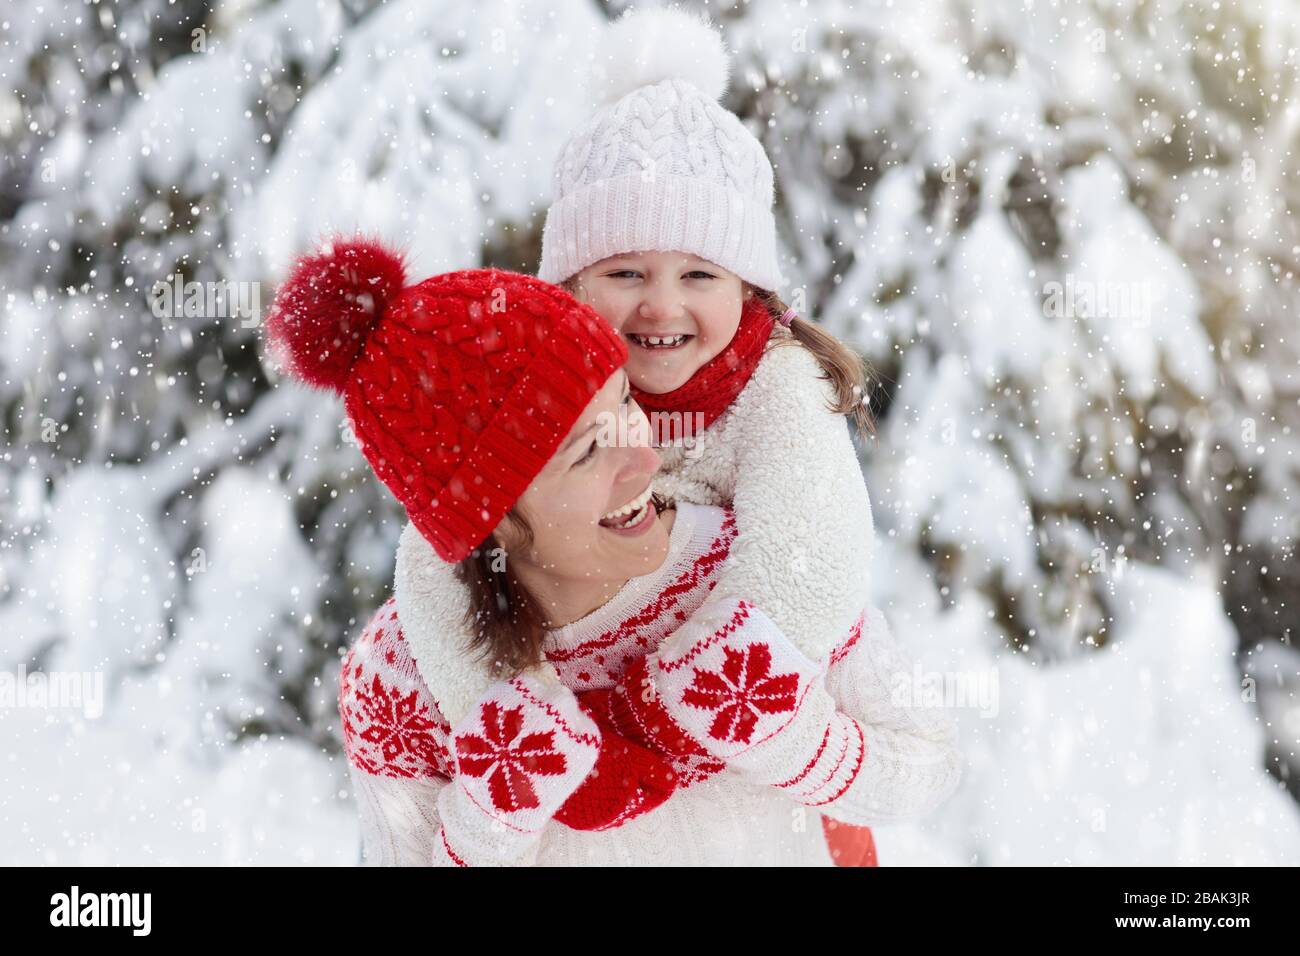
1093, 509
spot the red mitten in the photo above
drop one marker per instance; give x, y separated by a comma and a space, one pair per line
632, 707
627, 780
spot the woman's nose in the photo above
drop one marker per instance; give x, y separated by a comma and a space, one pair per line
638, 426
648, 459
642, 459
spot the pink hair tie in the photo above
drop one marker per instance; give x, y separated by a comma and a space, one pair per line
787, 317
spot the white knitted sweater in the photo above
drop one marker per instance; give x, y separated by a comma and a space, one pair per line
899, 762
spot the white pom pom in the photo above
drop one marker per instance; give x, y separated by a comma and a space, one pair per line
648, 46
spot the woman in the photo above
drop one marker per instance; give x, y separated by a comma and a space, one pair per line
619, 728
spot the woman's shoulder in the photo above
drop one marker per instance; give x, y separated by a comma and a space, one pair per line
391, 724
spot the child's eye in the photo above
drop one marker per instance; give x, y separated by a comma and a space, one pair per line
621, 273
702, 274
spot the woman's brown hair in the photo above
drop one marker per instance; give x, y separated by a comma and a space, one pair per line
507, 621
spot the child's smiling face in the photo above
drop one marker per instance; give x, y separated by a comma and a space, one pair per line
675, 310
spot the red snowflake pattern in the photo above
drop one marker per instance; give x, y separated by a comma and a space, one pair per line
507, 759
742, 691
391, 725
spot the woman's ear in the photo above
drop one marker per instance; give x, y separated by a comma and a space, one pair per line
508, 534
513, 533
573, 285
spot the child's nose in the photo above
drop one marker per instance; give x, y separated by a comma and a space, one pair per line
661, 304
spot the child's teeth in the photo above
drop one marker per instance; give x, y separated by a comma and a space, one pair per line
660, 340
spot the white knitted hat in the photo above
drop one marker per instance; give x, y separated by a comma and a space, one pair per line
661, 165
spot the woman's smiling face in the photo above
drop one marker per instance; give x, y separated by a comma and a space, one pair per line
593, 525
675, 310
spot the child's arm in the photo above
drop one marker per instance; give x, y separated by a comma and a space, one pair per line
475, 794
802, 555
849, 737
400, 747
433, 605
871, 677
803, 517
525, 749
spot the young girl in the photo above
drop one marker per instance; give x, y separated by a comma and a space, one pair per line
662, 222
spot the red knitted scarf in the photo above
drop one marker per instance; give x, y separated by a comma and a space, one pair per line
711, 390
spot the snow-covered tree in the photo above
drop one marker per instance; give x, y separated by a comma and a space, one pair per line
1061, 233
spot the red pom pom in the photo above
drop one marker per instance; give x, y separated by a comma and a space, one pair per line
321, 315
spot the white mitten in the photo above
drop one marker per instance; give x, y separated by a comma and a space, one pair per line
518, 754
731, 679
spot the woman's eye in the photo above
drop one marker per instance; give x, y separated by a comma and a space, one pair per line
590, 453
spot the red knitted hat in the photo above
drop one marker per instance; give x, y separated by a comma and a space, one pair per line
459, 388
